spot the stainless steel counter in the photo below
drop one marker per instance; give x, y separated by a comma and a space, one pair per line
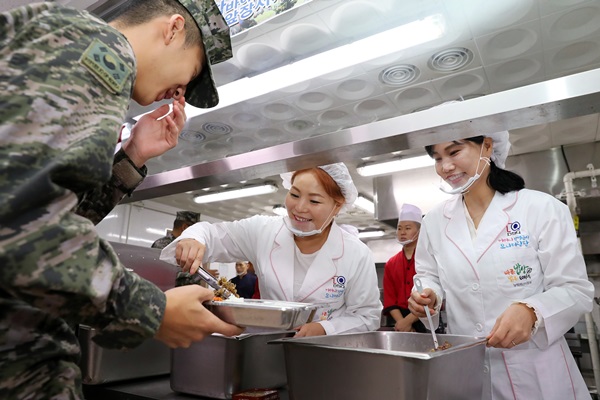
157, 388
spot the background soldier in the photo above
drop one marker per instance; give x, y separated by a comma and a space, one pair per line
183, 219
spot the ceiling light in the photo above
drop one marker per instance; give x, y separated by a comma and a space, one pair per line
355, 53
401, 164
280, 210
156, 231
236, 193
370, 234
365, 204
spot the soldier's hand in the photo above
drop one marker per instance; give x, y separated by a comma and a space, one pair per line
186, 320
155, 133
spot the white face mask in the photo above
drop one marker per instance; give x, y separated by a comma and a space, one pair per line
408, 241
304, 229
471, 180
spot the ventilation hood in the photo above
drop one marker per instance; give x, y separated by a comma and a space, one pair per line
541, 103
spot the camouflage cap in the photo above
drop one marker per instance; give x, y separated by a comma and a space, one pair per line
202, 91
188, 216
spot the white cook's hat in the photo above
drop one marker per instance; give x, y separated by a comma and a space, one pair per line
501, 144
500, 147
408, 212
340, 174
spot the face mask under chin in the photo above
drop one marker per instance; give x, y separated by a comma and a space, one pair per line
309, 227
408, 241
464, 188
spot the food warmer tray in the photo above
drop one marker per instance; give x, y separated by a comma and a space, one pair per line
261, 313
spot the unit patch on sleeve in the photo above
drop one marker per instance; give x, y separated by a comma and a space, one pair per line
104, 63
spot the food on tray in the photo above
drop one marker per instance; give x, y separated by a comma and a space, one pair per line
225, 285
229, 299
441, 347
257, 394
234, 299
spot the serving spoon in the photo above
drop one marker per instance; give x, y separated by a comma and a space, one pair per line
420, 290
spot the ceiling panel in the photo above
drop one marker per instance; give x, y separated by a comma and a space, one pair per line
488, 47
505, 46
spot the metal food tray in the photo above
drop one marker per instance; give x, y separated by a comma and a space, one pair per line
412, 370
263, 313
219, 366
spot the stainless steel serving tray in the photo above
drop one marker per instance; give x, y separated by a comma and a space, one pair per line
261, 313
219, 366
412, 370
397, 344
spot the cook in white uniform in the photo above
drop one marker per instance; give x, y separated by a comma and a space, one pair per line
507, 261
303, 257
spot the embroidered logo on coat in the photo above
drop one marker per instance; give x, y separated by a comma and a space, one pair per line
339, 281
513, 228
338, 288
519, 275
514, 237
326, 315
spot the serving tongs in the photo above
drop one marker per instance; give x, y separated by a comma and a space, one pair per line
420, 290
212, 282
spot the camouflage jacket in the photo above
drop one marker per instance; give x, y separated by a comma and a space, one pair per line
163, 241
61, 107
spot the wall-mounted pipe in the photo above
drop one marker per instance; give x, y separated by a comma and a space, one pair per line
589, 321
568, 181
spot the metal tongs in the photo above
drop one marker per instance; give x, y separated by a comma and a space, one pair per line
212, 282
420, 290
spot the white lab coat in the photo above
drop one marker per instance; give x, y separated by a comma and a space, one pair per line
526, 250
342, 277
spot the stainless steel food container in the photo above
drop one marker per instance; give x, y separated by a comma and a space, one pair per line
151, 358
219, 366
384, 365
100, 365
274, 314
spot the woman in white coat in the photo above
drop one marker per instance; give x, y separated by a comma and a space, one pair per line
303, 257
507, 261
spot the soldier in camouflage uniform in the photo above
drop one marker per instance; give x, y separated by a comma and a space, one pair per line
183, 219
66, 79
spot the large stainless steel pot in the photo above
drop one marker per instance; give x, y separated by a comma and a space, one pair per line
384, 365
99, 365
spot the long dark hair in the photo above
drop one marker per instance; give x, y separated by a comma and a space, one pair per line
499, 179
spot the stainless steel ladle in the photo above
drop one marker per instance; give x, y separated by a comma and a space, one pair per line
420, 290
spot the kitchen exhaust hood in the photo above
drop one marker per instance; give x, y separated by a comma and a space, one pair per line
558, 99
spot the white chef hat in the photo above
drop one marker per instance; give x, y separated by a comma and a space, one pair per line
408, 212
340, 174
501, 144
